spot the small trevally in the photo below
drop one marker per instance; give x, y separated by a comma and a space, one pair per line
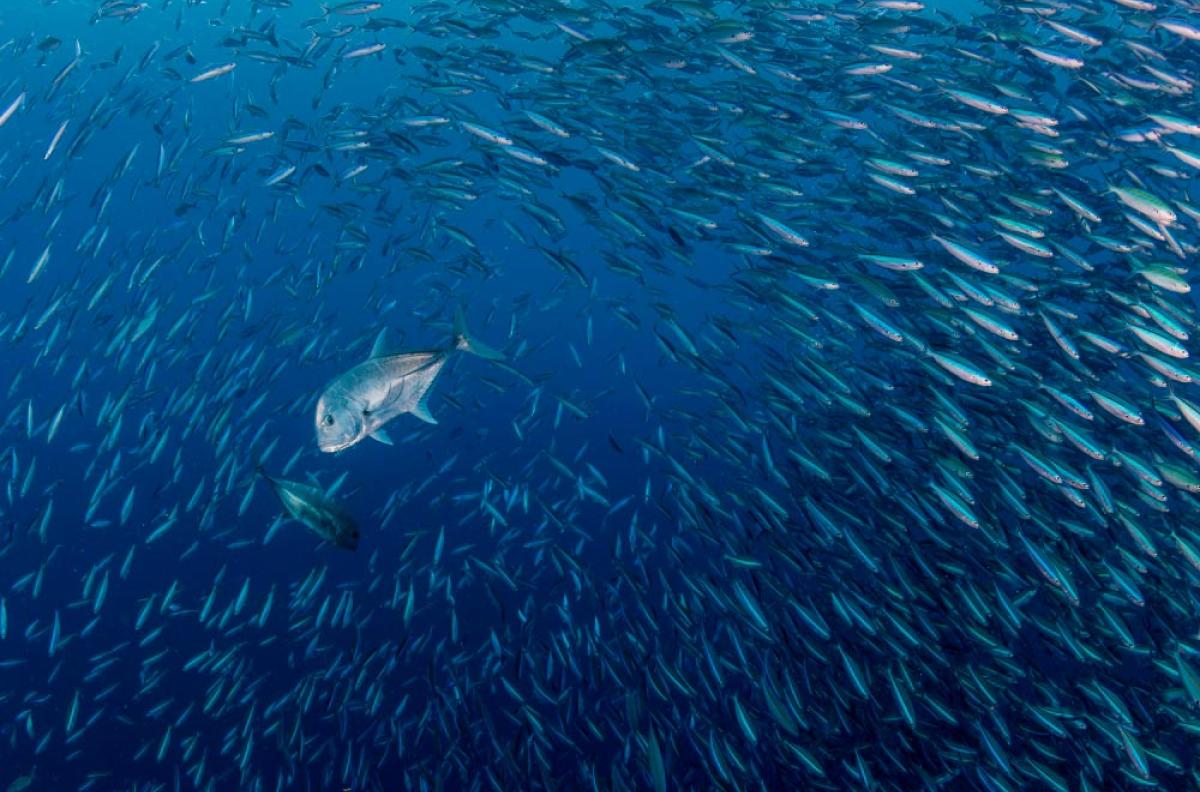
321, 515
359, 402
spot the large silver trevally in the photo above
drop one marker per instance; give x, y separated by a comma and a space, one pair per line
310, 506
359, 402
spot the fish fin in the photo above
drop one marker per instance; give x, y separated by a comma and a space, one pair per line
463, 340
382, 437
378, 349
421, 410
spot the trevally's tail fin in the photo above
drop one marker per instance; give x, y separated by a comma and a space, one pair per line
463, 340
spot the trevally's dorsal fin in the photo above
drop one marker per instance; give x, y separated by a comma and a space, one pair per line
379, 348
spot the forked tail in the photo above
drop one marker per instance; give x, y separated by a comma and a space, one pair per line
464, 341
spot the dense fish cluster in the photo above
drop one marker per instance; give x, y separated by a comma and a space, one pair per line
835, 426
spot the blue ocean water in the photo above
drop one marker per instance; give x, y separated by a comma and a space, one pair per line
843, 437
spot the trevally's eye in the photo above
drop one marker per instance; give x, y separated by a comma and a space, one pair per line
329, 419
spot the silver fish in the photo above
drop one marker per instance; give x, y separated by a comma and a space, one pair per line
359, 402
319, 514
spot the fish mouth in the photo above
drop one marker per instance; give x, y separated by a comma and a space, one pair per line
332, 448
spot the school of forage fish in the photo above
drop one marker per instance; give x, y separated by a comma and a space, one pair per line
838, 430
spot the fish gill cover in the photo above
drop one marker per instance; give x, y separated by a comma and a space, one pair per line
531, 395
